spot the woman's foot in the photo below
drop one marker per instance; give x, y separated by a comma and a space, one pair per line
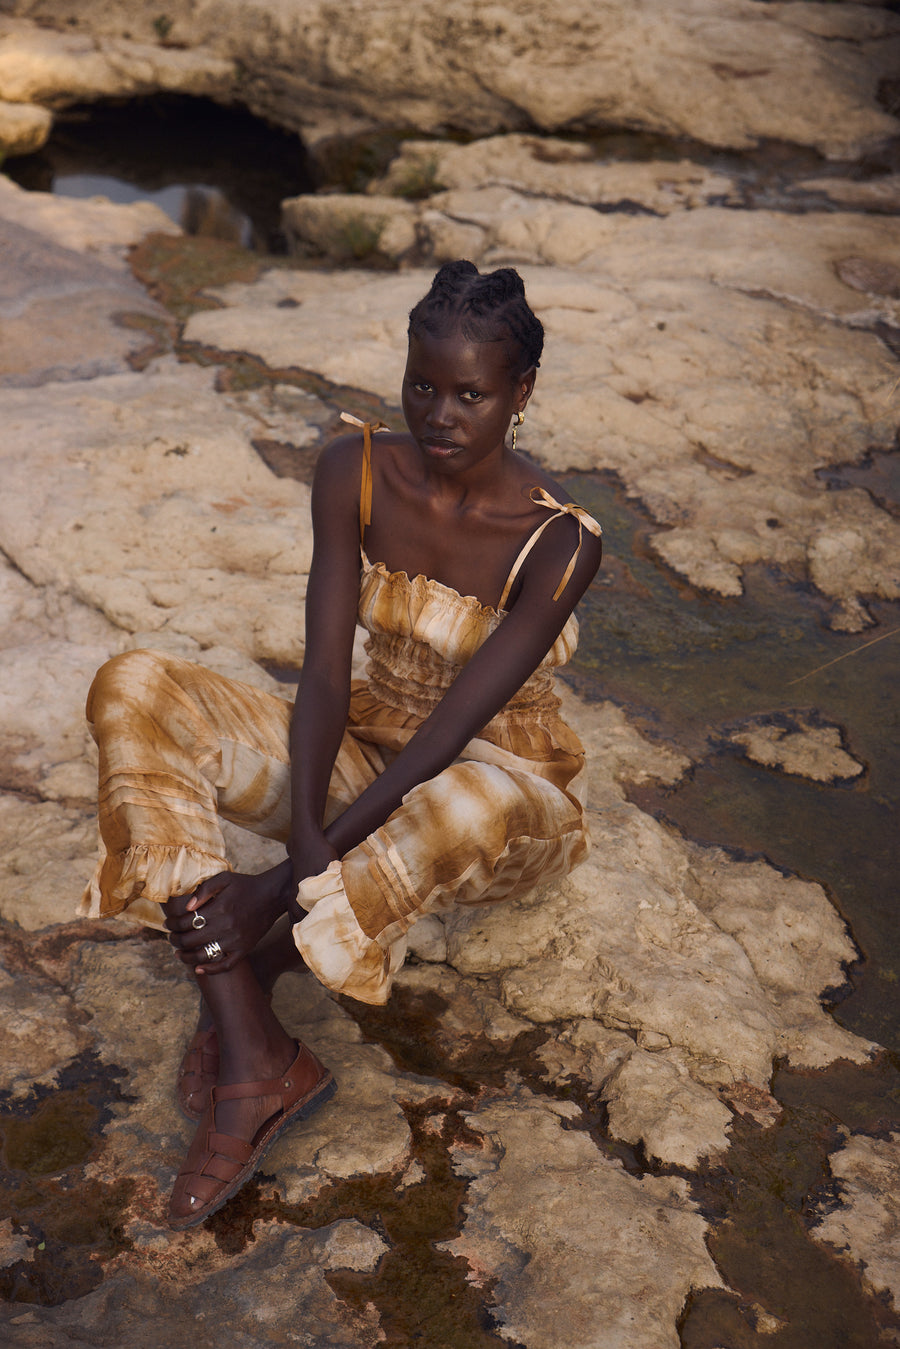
240, 1123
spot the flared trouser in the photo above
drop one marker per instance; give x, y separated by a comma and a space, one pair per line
182, 748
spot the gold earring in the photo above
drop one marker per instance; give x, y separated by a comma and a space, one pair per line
518, 419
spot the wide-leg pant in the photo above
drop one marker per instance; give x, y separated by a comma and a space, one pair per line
182, 747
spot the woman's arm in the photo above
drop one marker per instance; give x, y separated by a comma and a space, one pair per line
497, 671
240, 909
323, 696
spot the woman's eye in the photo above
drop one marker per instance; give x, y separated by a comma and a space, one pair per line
422, 388
471, 396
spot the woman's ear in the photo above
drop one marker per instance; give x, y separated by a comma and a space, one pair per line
525, 388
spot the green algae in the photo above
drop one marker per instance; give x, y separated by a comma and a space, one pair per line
422, 1294
784, 1289
73, 1224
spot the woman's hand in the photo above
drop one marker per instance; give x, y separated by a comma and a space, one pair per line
232, 909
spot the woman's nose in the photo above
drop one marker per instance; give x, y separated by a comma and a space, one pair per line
440, 412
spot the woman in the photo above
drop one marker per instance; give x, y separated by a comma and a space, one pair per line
446, 778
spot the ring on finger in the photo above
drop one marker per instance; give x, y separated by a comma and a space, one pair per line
213, 951
198, 921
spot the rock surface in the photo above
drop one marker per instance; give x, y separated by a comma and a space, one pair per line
656, 987
798, 745
866, 1224
722, 71
715, 389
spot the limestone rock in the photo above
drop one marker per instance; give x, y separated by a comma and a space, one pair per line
347, 227
93, 225
24, 127
40, 1032
865, 1225
720, 71
651, 1102
57, 68
795, 744
532, 1223
874, 194
42, 691
48, 856
143, 1010
563, 170
201, 528
252, 1296
717, 964
714, 389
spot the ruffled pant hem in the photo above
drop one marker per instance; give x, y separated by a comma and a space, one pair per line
134, 883
336, 949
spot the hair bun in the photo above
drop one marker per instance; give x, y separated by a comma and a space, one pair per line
484, 307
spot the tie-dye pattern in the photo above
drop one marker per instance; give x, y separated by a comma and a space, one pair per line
182, 748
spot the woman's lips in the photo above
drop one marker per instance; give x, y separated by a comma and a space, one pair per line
440, 449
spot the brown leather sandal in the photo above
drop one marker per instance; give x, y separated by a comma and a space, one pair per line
217, 1165
197, 1074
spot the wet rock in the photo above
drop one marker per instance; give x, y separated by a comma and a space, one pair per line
14, 1246
865, 1225
613, 1285
799, 745
273, 1293
715, 70
143, 1010
666, 942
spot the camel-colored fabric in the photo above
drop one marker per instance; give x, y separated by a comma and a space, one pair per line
182, 747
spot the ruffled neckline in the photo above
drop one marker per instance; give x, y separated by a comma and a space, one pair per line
470, 601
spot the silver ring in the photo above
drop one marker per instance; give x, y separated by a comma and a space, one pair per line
198, 921
213, 951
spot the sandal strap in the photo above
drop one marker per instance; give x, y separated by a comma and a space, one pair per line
275, 1086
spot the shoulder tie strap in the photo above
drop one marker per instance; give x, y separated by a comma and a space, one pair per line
365, 486
585, 521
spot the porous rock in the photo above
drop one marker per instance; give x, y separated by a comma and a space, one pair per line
48, 855
799, 746
24, 127
722, 71
715, 390
200, 529
252, 1297
532, 1224
41, 1031
866, 1224
544, 166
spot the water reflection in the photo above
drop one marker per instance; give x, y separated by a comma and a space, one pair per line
215, 171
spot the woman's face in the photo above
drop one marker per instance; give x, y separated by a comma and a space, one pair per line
459, 398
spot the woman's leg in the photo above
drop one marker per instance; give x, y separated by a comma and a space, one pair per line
275, 955
265, 1078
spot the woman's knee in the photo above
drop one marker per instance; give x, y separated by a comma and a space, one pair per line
121, 676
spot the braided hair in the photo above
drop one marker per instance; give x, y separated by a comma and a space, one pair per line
489, 307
